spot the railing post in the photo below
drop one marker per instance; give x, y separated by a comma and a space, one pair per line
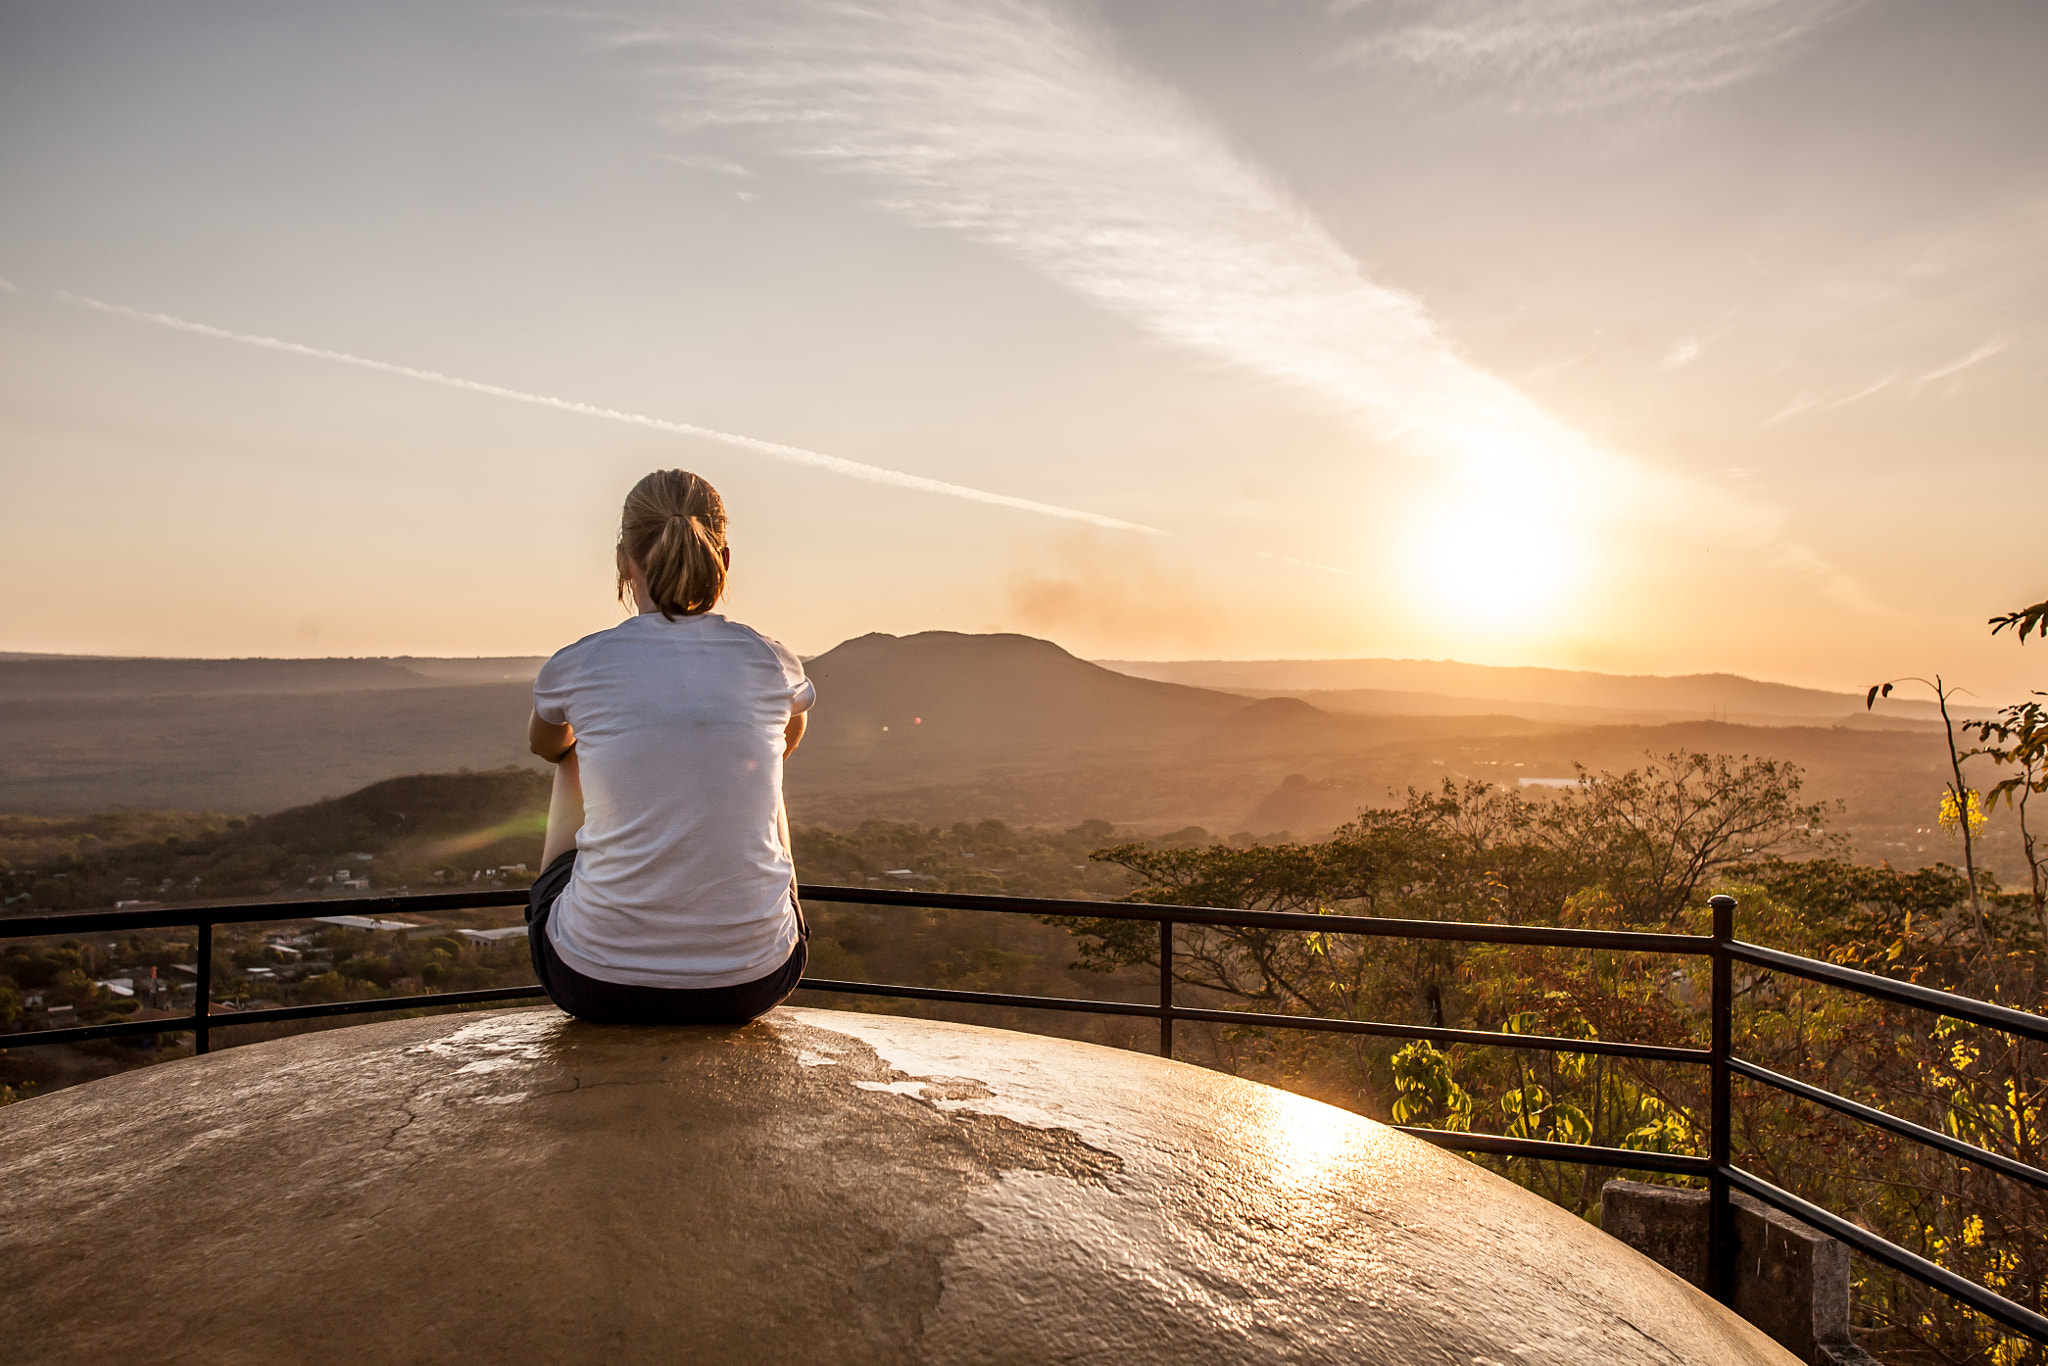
202, 1002
1166, 988
1720, 1212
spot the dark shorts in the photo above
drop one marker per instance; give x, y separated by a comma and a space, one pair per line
588, 998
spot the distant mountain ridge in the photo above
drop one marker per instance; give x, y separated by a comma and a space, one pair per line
1375, 686
941, 726
61, 676
1424, 686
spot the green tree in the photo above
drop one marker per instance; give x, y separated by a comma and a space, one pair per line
2018, 739
1651, 837
1426, 1092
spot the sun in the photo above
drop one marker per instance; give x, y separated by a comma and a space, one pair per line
1483, 559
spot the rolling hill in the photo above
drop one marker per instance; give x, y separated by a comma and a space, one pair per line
934, 728
941, 726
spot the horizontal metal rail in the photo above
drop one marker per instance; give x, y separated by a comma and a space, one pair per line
113, 1029
1993, 1306
1722, 945
1467, 931
215, 1019
1904, 1128
982, 998
249, 912
1585, 1154
2020, 1022
377, 1005
1484, 1038
1619, 941
1481, 1038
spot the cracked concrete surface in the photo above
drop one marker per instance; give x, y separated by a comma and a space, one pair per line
820, 1186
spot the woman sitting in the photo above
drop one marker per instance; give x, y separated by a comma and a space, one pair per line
668, 893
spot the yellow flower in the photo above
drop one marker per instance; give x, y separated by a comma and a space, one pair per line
1951, 815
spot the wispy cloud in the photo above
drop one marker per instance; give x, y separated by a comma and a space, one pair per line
1559, 366
1570, 55
1684, 352
704, 161
1807, 404
1013, 123
1821, 403
795, 455
1955, 367
1100, 594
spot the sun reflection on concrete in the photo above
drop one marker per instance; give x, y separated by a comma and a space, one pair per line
1306, 1142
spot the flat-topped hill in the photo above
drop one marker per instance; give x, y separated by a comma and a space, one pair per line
942, 726
981, 691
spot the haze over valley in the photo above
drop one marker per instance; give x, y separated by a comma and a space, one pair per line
942, 727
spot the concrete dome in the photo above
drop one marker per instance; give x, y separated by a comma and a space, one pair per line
819, 1186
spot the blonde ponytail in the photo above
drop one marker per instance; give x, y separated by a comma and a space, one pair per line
674, 529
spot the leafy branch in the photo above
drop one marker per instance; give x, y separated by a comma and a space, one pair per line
2028, 619
1962, 799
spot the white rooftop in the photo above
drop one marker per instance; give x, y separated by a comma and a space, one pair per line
365, 922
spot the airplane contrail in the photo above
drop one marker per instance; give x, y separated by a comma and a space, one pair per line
795, 455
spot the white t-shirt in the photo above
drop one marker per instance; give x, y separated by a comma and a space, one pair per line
683, 871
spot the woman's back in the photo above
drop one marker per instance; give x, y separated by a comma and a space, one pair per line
683, 874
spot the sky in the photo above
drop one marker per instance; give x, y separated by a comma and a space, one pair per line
1607, 334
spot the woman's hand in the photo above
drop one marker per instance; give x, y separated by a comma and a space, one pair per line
549, 740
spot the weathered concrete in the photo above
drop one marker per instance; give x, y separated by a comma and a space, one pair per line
817, 1187
1791, 1280
1667, 1224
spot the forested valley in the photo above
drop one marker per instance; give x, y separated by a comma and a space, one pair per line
1639, 849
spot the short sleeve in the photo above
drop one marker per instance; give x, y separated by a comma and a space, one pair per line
802, 692
551, 689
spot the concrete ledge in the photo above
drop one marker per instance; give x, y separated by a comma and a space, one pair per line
1792, 1280
819, 1187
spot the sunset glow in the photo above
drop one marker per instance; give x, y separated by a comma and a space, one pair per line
1484, 564
1607, 337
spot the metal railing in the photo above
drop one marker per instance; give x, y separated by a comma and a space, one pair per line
1720, 947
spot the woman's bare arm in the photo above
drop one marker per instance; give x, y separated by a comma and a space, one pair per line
548, 739
793, 733
565, 809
